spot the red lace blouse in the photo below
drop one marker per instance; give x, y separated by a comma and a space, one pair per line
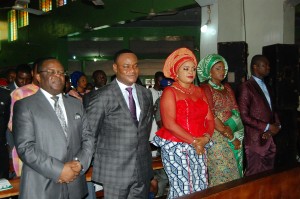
184, 115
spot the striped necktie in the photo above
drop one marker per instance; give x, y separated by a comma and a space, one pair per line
59, 112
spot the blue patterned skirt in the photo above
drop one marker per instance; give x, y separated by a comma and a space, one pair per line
187, 171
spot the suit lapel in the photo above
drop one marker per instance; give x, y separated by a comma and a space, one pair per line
120, 98
69, 112
259, 91
50, 111
140, 96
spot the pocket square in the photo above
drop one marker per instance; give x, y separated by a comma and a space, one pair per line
77, 116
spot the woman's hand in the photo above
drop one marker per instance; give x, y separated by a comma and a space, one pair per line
199, 144
237, 144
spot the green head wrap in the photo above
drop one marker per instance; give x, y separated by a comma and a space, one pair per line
205, 65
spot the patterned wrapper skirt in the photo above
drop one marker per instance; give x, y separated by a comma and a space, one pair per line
187, 171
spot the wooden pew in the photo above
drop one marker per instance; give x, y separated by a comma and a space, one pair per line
156, 164
268, 185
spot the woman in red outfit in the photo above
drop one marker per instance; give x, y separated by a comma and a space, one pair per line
187, 126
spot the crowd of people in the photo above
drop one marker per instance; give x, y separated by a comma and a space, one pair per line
56, 127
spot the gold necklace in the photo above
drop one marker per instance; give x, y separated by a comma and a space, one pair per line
188, 91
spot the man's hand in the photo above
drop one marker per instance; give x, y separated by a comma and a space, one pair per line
274, 128
69, 172
76, 166
266, 135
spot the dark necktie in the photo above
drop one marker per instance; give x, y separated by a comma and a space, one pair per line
132, 106
59, 112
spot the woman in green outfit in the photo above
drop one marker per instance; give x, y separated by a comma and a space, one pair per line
225, 158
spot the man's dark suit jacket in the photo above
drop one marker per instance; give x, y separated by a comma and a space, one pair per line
256, 114
4, 117
11, 86
122, 146
43, 147
87, 97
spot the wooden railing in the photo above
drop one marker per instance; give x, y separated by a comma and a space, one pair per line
282, 184
156, 164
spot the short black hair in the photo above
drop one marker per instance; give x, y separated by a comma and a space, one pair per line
120, 52
24, 68
159, 74
41, 61
96, 72
255, 59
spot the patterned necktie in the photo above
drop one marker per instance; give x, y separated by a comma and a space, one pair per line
59, 112
132, 106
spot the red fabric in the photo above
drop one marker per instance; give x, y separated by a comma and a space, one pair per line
3, 82
184, 115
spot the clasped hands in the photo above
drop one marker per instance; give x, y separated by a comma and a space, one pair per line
199, 144
273, 130
70, 172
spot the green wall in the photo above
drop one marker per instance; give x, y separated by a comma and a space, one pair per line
47, 35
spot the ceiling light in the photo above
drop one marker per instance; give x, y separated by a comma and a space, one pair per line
204, 28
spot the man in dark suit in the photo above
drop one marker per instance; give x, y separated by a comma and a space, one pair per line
52, 139
4, 117
100, 79
23, 77
122, 161
259, 118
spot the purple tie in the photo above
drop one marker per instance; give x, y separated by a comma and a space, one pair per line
132, 106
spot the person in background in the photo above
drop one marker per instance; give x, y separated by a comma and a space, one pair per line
53, 139
23, 77
160, 175
4, 117
18, 94
100, 80
259, 118
120, 115
10, 75
89, 87
67, 86
79, 82
226, 156
165, 82
156, 92
188, 125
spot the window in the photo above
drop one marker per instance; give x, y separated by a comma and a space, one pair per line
45, 5
61, 2
12, 25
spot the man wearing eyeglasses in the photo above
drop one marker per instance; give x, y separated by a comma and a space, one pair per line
52, 139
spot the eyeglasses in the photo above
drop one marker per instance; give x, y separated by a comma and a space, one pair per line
53, 72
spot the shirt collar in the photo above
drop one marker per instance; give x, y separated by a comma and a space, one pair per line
123, 86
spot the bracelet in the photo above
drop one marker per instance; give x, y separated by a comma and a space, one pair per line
194, 141
232, 139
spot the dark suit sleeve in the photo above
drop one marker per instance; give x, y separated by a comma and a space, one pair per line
87, 144
246, 103
95, 113
25, 141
